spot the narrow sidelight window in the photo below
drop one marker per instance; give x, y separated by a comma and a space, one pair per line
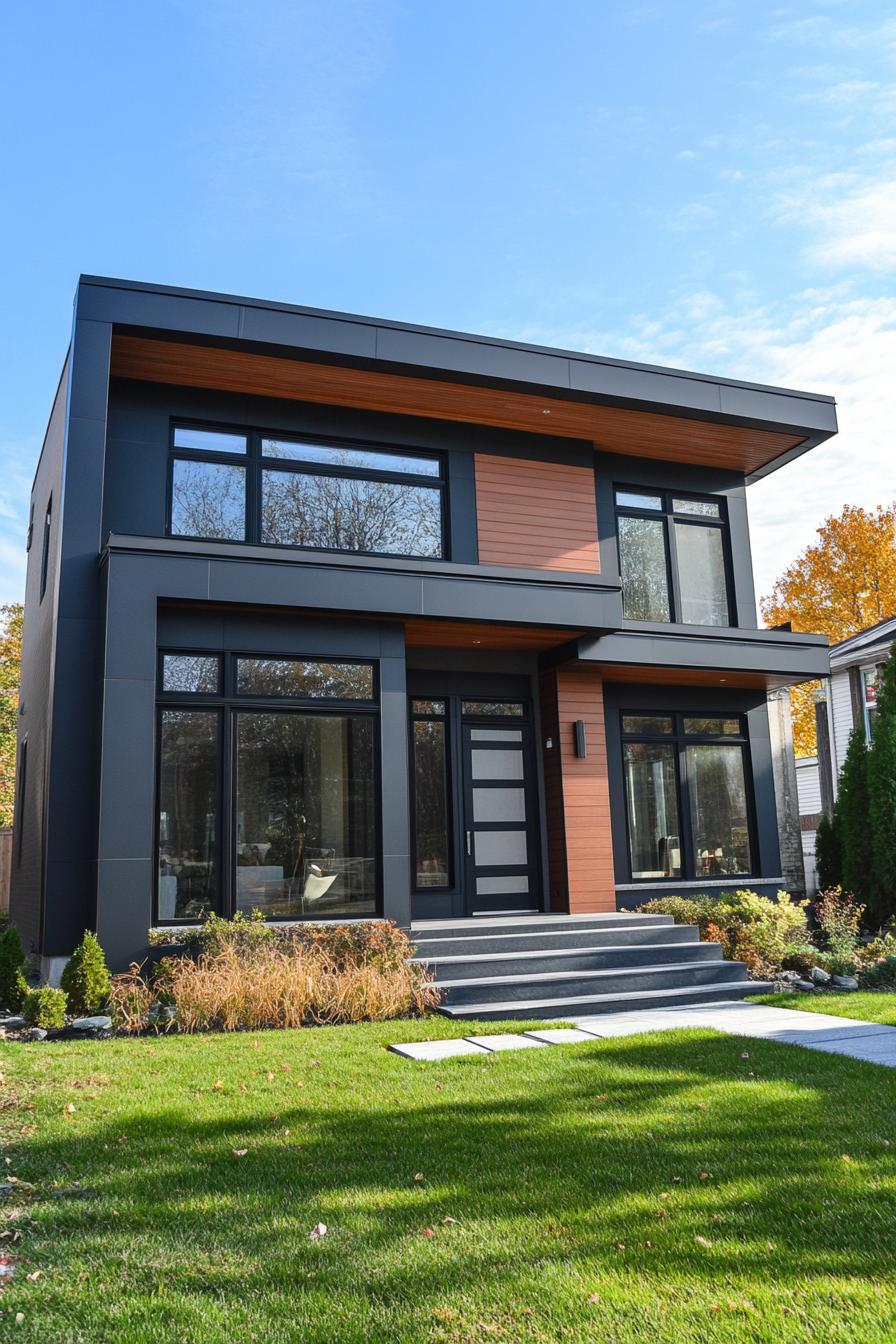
688, 801
432, 839
45, 548
673, 558
189, 772
20, 800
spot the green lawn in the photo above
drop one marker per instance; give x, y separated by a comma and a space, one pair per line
865, 1007
677, 1187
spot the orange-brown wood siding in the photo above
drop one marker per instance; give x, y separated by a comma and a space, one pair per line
586, 793
553, 794
540, 514
611, 428
585, 819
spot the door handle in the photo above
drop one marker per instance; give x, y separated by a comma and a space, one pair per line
469, 844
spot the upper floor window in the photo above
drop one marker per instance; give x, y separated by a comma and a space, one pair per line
673, 557
234, 486
45, 549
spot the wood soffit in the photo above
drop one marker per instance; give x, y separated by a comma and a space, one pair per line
610, 428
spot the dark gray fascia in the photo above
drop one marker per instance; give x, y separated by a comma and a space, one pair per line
778, 654
457, 355
272, 575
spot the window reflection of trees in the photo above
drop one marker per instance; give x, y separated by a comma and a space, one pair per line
351, 514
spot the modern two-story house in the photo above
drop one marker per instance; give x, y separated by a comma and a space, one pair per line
332, 617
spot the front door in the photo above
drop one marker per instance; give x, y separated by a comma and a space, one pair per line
499, 839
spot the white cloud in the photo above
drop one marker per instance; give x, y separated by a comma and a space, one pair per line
856, 227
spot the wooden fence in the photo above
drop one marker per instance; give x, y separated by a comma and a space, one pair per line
5, 865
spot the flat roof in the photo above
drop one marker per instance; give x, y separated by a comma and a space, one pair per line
452, 356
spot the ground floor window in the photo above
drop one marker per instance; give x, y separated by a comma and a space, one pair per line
688, 802
264, 802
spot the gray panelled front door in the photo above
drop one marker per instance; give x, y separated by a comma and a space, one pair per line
501, 872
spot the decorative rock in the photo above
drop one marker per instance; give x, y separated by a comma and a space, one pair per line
98, 1023
37, 1034
819, 976
844, 982
805, 985
162, 1012
787, 977
12, 1022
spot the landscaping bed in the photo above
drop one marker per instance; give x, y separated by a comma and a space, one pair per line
677, 1187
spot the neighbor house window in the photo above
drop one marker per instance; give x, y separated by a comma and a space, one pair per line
869, 689
247, 486
267, 787
687, 799
432, 836
673, 557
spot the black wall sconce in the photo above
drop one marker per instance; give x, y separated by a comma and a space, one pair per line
581, 749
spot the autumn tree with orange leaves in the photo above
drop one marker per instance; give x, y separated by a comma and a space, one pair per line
842, 584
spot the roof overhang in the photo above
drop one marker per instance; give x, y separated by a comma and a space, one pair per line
244, 345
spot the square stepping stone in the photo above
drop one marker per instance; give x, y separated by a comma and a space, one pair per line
559, 1036
432, 1050
504, 1041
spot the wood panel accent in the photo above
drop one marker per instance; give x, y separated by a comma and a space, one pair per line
555, 823
638, 433
577, 792
541, 514
444, 634
683, 676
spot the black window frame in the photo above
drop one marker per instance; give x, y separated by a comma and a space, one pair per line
229, 703
45, 549
680, 741
254, 464
670, 519
444, 719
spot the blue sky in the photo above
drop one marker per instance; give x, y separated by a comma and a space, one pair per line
710, 185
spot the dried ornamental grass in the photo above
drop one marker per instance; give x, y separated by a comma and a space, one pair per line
335, 975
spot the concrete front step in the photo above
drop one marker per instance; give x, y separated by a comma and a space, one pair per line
538, 961
515, 924
625, 935
589, 1005
562, 985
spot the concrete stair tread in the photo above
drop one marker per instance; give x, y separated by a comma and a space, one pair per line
544, 953
604, 1002
535, 923
677, 932
658, 968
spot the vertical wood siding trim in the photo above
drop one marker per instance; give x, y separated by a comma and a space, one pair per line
586, 793
539, 514
558, 886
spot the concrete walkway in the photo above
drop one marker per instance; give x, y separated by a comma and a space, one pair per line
869, 1041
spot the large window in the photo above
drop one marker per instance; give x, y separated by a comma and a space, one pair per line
247, 486
688, 804
673, 557
267, 787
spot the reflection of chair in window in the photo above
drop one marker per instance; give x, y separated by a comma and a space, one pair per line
316, 884
669, 849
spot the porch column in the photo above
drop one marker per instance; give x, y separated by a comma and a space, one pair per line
394, 778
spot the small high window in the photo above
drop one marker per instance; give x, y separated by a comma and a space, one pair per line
45, 549
673, 558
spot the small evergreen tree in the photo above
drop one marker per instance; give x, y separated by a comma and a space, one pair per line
13, 985
828, 858
86, 979
851, 819
882, 796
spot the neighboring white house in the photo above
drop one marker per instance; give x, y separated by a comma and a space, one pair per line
849, 700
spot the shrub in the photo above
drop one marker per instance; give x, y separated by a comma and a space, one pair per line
13, 986
879, 975
828, 857
245, 974
882, 796
839, 919
45, 1007
851, 819
750, 928
86, 979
